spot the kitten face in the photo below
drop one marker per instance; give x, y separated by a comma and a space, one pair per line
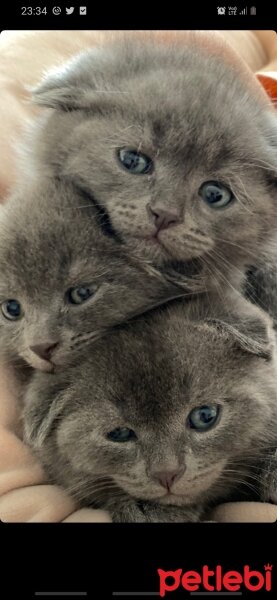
62, 282
172, 147
167, 411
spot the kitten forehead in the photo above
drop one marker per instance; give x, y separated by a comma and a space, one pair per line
162, 362
211, 120
51, 236
211, 43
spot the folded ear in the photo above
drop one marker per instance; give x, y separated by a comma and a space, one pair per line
71, 86
56, 94
59, 91
43, 405
253, 335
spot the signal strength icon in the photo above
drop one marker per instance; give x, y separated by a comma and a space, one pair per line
244, 11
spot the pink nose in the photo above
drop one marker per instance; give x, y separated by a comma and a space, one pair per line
168, 478
44, 351
163, 218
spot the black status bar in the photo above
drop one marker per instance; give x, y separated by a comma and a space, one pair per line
84, 14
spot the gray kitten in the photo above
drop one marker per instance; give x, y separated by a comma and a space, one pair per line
63, 282
172, 147
167, 416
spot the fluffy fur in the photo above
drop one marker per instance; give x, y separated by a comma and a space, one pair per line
261, 282
148, 377
51, 242
194, 116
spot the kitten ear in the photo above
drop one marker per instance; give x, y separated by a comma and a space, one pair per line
59, 93
59, 96
67, 87
43, 403
252, 335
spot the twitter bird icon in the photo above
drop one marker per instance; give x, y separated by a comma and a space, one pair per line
70, 10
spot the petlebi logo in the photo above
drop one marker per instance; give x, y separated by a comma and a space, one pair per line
216, 580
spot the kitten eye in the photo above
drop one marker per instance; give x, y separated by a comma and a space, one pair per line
215, 194
80, 294
121, 434
203, 417
135, 162
11, 310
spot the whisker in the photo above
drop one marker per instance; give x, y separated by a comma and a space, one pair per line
226, 262
217, 275
220, 274
261, 164
236, 245
257, 478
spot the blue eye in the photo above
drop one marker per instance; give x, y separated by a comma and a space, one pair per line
80, 294
135, 162
215, 194
11, 310
203, 417
121, 434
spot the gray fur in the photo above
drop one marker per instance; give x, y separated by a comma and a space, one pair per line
148, 97
50, 241
269, 490
261, 282
197, 120
147, 376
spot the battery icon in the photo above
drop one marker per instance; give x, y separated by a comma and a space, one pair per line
253, 10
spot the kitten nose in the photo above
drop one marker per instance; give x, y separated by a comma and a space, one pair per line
167, 478
44, 351
163, 218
